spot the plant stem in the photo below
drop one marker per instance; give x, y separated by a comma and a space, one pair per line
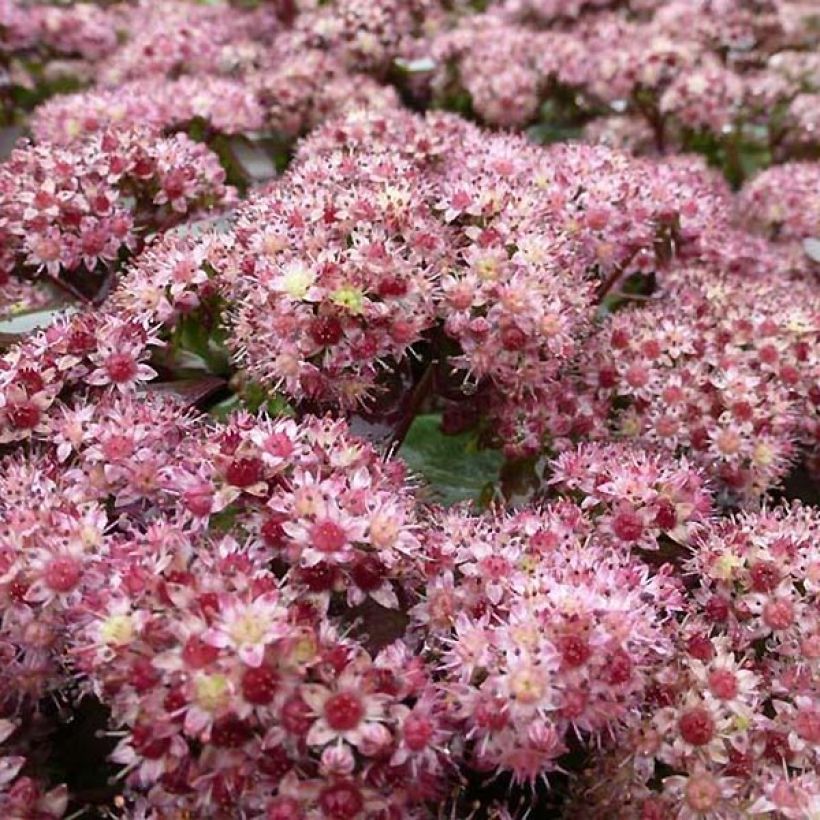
68, 288
617, 272
420, 393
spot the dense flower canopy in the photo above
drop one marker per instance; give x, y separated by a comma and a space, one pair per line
409, 409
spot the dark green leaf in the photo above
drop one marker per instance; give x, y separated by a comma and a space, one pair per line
546, 133
224, 409
254, 399
452, 465
193, 337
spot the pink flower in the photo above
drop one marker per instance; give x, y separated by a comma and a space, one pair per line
248, 628
120, 369
343, 712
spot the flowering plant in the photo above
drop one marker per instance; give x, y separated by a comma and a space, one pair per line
409, 410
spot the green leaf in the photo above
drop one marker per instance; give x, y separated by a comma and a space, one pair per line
452, 465
195, 346
224, 409
255, 398
252, 399
545, 133
8, 139
223, 521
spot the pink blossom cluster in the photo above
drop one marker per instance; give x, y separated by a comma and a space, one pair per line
21, 795
17, 296
234, 555
46, 45
709, 98
88, 349
501, 91
802, 123
782, 203
50, 537
540, 631
234, 684
78, 30
82, 43
367, 36
721, 369
71, 210
234, 697
335, 273
216, 670
637, 498
213, 553
521, 296
239, 71
222, 659
504, 251
319, 501
322, 502
173, 37
170, 278
678, 68
699, 207
224, 104
288, 88
65, 510
733, 723
503, 244
299, 86
546, 11
555, 418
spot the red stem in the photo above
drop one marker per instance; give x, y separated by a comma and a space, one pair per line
420, 393
613, 277
68, 288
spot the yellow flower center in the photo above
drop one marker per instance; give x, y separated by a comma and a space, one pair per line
211, 692
630, 426
527, 686
486, 269
525, 637
272, 244
304, 650
249, 629
384, 530
550, 325
296, 282
741, 723
763, 455
350, 298
725, 566
90, 537
117, 629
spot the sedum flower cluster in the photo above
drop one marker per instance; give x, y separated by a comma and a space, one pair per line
725, 385
541, 632
642, 74
68, 211
731, 728
257, 259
